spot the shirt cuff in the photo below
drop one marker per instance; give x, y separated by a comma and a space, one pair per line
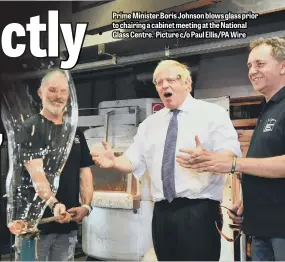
138, 165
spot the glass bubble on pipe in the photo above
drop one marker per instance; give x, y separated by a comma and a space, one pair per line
32, 136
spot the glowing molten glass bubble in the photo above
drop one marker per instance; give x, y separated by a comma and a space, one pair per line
38, 148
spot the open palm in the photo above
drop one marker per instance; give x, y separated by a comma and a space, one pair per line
105, 159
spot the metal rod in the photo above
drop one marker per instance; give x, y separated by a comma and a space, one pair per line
93, 108
49, 219
106, 125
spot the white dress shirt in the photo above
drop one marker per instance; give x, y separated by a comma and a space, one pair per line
216, 133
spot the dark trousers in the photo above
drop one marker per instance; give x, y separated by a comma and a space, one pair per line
184, 230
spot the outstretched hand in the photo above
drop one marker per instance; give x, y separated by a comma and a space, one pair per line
104, 159
185, 160
205, 161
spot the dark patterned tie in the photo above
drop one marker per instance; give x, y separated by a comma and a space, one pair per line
168, 161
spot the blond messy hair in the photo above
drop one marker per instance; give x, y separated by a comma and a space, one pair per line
277, 44
185, 73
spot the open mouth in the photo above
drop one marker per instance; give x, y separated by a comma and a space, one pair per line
167, 94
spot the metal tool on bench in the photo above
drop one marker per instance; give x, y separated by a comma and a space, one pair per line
129, 117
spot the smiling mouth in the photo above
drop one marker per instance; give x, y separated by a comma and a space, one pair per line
57, 104
167, 94
257, 78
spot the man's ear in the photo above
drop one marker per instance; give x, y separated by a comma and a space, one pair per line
40, 93
282, 72
188, 83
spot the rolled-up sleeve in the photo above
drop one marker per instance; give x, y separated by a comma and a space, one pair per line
135, 153
223, 134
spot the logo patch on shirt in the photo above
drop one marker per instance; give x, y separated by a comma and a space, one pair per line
76, 140
269, 125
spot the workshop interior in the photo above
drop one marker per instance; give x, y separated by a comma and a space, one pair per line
115, 93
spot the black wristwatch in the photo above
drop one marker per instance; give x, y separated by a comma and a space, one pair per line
53, 206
